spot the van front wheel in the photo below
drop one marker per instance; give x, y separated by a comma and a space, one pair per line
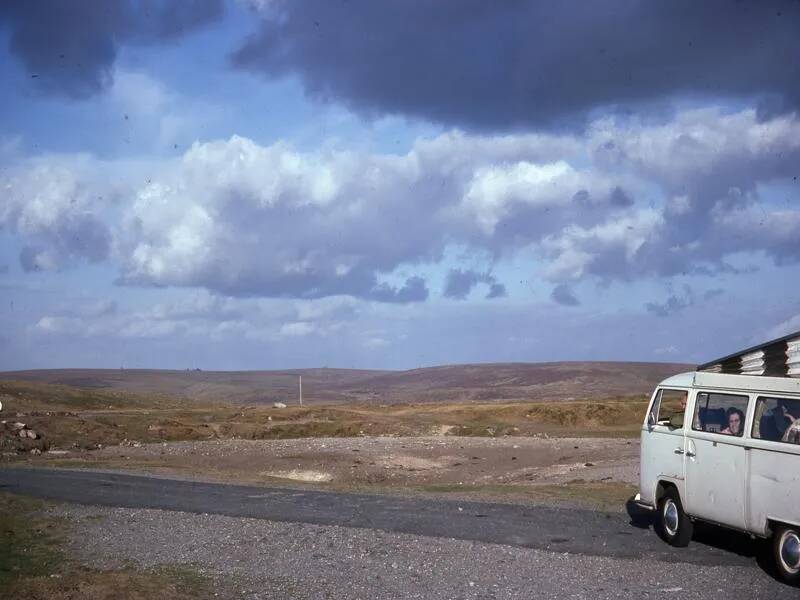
786, 549
672, 524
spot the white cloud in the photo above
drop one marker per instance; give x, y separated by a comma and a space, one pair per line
245, 219
242, 219
202, 315
49, 205
609, 247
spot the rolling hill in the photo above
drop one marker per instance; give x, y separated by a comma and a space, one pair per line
451, 383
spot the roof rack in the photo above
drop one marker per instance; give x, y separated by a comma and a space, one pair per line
776, 358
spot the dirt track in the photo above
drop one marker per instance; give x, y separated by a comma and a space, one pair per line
596, 470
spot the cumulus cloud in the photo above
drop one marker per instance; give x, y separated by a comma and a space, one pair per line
70, 48
245, 219
627, 200
479, 65
53, 208
709, 166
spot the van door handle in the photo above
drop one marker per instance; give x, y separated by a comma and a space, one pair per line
690, 454
678, 451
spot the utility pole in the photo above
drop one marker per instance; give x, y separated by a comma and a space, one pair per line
301, 389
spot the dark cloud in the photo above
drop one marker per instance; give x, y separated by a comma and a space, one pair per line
460, 283
69, 48
673, 305
496, 290
564, 295
490, 65
414, 290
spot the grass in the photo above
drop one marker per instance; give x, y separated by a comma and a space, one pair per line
28, 543
85, 418
34, 565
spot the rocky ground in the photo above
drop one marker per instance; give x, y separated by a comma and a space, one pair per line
587, 468
17, 437
270, 560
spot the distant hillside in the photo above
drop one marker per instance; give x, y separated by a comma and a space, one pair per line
516, 381
319, 385
453, 383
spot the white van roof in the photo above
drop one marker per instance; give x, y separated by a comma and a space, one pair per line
735, 383
683, 380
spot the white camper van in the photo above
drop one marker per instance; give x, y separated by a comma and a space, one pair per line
722, 444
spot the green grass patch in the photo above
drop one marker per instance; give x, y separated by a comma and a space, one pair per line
28, 541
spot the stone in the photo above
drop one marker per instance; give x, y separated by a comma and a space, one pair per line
36, 452
32, 434
278, 405
19, 425
23, 433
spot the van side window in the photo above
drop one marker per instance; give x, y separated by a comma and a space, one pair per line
669, 405
777, 420
720, 413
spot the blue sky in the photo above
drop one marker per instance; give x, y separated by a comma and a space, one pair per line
256, 185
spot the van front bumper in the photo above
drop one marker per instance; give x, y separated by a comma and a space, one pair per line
637, 500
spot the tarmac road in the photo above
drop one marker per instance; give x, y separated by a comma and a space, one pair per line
563, 530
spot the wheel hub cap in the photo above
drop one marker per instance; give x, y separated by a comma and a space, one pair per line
670, 517
790, 551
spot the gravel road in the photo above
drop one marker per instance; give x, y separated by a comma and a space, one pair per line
379, 554
275, 560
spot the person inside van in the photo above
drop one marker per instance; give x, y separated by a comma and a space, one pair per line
778, 422
735, 422
792, 434
676, 419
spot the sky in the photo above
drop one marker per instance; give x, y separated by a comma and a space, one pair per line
272, 184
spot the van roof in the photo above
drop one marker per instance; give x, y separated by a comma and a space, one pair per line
680, 380
740, 383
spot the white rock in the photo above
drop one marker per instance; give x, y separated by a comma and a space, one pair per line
278, 405
19, 425
31, 433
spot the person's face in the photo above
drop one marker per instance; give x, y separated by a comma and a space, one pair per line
734, 423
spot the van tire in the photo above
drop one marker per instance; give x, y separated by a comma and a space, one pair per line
785, 547
672, 523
